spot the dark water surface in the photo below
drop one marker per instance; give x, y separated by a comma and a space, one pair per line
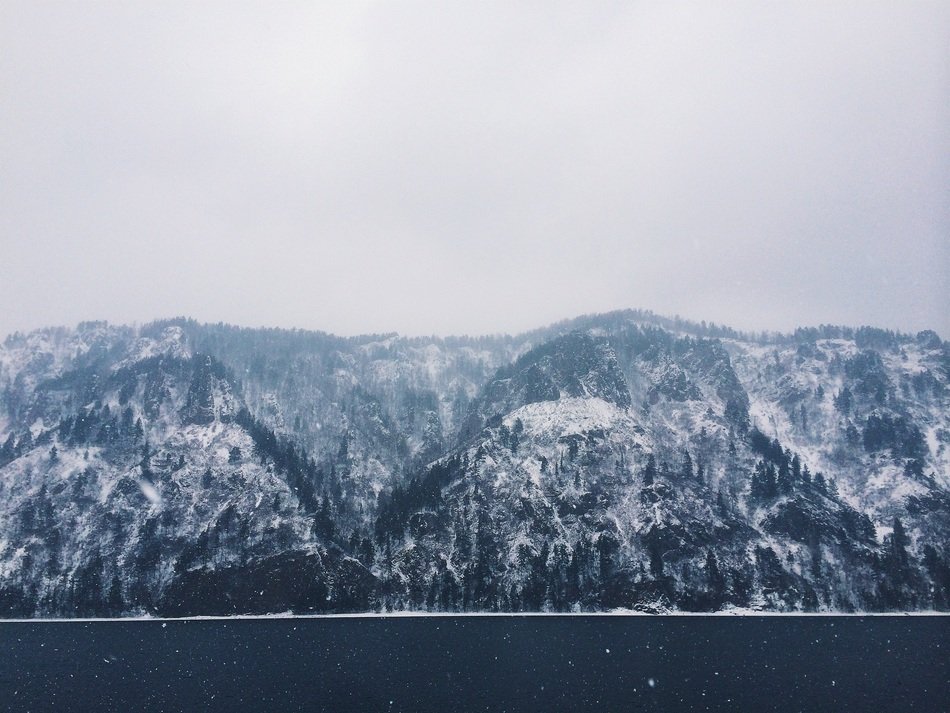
506, 663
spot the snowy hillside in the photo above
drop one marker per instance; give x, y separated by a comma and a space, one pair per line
612, 461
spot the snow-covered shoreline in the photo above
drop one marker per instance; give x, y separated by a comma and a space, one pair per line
471, 615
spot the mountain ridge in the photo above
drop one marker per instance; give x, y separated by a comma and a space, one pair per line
576, 323
601, 462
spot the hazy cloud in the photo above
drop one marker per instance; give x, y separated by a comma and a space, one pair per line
450, 167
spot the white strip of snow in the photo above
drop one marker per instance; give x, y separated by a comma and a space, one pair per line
449, 615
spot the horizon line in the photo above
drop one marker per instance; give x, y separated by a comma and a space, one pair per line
639, 315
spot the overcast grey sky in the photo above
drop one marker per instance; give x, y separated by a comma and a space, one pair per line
449, 167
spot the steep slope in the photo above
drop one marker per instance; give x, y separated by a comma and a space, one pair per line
368, 410
561, 503
619, 460
575, 365
136, 481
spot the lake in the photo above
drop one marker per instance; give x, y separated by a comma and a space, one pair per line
472, 663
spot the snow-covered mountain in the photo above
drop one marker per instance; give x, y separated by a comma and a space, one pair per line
611, 461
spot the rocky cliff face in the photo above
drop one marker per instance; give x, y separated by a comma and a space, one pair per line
614, 461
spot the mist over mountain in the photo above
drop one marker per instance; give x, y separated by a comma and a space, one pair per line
621, 460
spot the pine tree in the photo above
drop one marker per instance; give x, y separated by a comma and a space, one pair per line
939, 570
127, 423
757, 484
720, 502
771, 481
897, 569
687, 468
844, 400
8, 450
784, 479
764, 484
116, 604
649, 473
517, 433
899, 542
715, 580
